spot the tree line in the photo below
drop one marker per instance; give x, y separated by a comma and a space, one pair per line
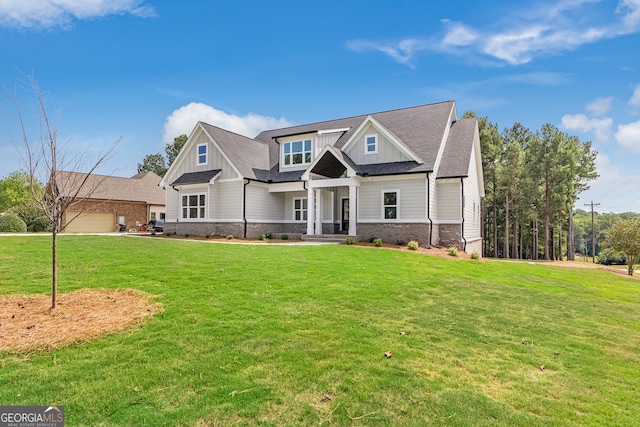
532, 180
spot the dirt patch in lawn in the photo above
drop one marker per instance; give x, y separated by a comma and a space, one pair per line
28, 323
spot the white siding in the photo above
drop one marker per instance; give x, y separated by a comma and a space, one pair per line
411, 203
188, 160
387, 151
448, 201
324, 140
228, 201
472, 223
262, 205
327, 205
173, 204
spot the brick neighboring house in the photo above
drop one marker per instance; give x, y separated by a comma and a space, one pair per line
107, 202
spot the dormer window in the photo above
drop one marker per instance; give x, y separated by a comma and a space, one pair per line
202, 154
371, 144
296, 152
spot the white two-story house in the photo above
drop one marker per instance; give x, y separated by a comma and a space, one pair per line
400, 175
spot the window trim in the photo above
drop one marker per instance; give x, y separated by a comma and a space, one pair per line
303, 152
375, 144
200, 209
205, 154
383, 206
303, 210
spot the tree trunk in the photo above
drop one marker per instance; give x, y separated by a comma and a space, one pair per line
495, 223
514, 250
631, 262
534, 240
54, 268
560, 256
571, 250
520, 245
547, 220
552, 245
506, 227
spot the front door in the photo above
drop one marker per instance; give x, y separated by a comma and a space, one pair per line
345, 215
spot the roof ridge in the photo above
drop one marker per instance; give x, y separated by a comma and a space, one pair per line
231, 132
358, 116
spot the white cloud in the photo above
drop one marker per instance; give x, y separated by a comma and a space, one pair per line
599, 106
601, 127
401, 51
459, 35
628, 136
184, 119
524, 34
630, 12
54, 13
635, 98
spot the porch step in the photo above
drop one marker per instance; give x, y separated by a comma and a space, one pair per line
327, 238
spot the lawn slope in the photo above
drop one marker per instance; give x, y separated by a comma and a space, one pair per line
296, 335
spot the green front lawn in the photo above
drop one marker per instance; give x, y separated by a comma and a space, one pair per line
258, 334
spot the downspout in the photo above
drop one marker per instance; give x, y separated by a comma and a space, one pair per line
244, 206
178, 204
429, 211
464, 248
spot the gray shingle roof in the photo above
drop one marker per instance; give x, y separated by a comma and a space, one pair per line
420, 128
142, 187
196, 177
457, 153
249, 156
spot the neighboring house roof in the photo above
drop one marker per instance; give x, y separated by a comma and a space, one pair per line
196, 177
457, 152
142, 187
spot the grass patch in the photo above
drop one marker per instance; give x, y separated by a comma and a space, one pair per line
258, 334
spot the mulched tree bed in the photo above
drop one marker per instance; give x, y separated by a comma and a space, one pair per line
27, 322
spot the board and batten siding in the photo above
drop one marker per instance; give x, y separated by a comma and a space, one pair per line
387, 151
323, 140
448, 200
263, 206
189, 160
472, 220
412, 198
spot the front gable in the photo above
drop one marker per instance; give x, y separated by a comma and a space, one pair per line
332, 164
372, 143
200, 154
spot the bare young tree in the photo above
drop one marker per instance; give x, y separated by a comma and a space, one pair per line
47, 161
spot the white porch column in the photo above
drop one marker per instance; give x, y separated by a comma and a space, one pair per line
352, 209
318, 214
310, 211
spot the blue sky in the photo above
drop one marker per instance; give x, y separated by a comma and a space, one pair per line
147, 70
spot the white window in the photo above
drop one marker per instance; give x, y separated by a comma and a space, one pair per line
193, 206
202, 154
371, 144
300, 209
390, 204
296, 153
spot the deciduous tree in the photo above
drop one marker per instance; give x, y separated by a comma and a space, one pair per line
44, 159
624, 236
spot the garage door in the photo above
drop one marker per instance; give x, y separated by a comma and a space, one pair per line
91, 222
